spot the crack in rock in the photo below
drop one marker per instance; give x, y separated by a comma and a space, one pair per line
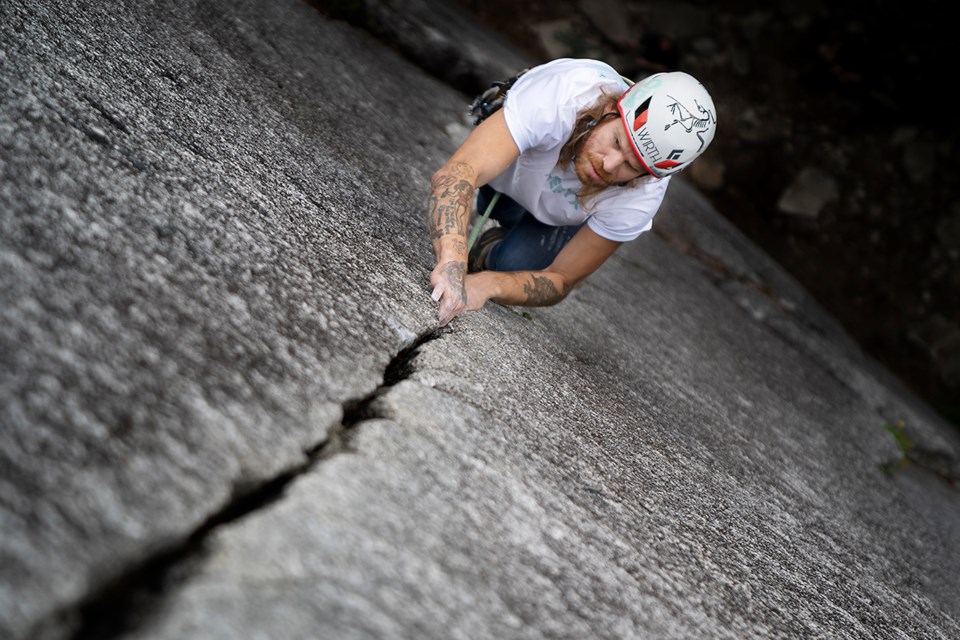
126, 601
354, 411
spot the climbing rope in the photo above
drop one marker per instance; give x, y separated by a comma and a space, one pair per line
481, 221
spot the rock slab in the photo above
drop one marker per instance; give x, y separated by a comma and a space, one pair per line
213, 267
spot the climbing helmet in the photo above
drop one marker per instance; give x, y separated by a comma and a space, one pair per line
670, 120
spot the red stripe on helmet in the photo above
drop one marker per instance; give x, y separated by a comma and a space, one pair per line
641, 120
633, 143
640, 115
666, 164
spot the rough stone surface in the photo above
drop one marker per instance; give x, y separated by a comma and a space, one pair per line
211, 256
438, 36
809, 192
206, 251
555, 36
647, 491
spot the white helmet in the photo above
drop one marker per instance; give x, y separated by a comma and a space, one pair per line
670, 119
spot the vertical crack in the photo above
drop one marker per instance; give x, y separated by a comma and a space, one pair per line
127, 601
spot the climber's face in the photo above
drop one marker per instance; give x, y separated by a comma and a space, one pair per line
607, 159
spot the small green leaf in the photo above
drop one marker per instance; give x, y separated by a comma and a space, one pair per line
900, 435
889, 467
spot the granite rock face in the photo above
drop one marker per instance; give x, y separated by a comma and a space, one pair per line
437, 36
227, 410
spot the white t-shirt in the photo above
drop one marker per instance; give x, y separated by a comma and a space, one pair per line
540, 111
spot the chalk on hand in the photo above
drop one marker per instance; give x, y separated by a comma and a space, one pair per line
436, 293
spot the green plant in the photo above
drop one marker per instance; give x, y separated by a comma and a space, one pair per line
899, 433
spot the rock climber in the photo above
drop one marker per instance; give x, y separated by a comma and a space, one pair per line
581, 160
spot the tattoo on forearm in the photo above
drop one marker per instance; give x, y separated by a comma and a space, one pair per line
454, 272
451, 203
541, 292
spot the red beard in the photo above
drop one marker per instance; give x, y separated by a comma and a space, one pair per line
582, 168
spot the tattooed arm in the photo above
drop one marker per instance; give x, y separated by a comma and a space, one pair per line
485, 154
448, 216
583, 255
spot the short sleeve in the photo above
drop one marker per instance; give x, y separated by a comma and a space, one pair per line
631, 213
535, 114
541, 107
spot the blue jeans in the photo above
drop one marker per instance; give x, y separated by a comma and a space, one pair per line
529, 245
